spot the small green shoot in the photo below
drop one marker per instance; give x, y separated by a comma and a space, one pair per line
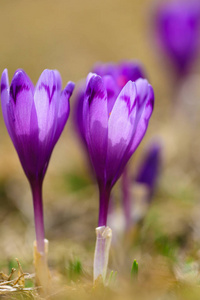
134, 270
112, 278
75, 269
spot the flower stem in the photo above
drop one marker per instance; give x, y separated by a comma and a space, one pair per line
42, 275
104, 196
101, 255
36, 188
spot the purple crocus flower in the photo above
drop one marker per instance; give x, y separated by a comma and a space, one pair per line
112, 117
114, 125
35, 118
121, 73
149, 170
177, 26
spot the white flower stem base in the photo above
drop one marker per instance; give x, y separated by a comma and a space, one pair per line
42, 275
101, 255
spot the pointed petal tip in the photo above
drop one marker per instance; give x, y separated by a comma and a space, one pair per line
151, 91
142, 84
90, 76
128, 94
145, 92
130, 87
5, 71
151, 96
20, 76
130, 84
47, 73
71, 85
58, 79
149, 106
95, 88
48, 85
4, 80
20, 82
20, 73
69, 88
94, 79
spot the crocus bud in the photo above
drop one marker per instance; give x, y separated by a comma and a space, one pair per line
35, 118
118, 76
114, 127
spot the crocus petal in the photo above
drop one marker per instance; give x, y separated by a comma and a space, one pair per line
78, 111
20, 103
95, 113
58, 80
142, 90
55, 116
46, 95
5, 97
63, 109
120, 127
19, 110
46, 102
145, 113
90, 75
112, 91
145, 103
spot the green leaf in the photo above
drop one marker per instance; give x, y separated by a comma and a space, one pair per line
134, 270
112, 277
75, 269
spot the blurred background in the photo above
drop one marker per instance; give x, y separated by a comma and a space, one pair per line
71, 36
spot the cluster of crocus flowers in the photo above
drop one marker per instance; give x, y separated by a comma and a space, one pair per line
177, 28
113, 125
35, 118
113, 113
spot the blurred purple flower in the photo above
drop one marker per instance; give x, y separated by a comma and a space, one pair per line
122, 72
113, 125
147, 175
177, 26
35, 118
150, 167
